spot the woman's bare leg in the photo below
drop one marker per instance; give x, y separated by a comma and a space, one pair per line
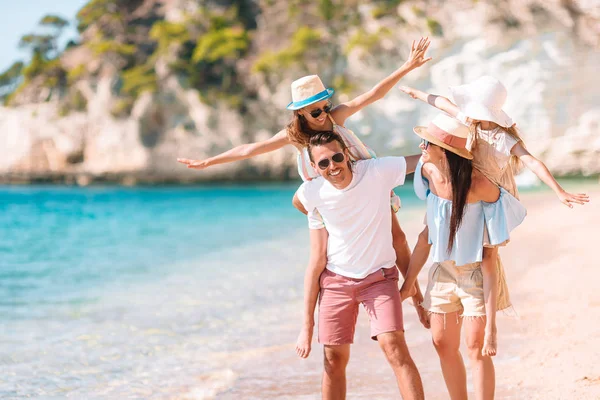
445, 332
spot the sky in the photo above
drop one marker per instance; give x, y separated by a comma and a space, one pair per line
22, 16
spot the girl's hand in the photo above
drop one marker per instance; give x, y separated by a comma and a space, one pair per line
567, 198
194, 164
409, 91
417, 53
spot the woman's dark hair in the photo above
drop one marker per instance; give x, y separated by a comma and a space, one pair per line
298, 130
460, 176
323, 137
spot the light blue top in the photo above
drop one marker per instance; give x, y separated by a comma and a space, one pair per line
483, 223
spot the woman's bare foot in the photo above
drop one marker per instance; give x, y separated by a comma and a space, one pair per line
303, 344
490, 343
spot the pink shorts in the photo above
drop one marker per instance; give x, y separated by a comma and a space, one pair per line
339, 300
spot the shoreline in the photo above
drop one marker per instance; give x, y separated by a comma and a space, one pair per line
144, 179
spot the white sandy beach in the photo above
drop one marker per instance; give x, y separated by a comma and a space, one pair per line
551, 351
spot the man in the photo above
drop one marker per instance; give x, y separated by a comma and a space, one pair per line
355, 259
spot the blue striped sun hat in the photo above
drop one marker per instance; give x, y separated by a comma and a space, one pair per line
308, 90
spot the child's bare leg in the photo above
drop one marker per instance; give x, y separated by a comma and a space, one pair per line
490, 293
482, 366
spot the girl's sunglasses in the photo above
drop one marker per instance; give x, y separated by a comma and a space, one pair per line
315, 113
337, 158
425, 143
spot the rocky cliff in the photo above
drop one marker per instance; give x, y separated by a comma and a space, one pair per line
191, 85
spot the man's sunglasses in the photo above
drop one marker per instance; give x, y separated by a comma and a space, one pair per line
316, 112
337, 158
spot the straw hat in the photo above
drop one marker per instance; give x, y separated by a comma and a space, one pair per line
448, 133
483, 100
308, 90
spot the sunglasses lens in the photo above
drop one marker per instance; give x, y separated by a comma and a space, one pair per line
323, 164
316, 113
338, 157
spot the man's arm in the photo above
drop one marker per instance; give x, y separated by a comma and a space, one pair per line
393, 170
411, 163
316, 265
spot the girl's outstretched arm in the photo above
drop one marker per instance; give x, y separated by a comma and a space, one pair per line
241, 152
439, 102
415, 60
542, 172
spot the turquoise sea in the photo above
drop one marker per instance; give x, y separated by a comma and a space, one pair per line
106, 292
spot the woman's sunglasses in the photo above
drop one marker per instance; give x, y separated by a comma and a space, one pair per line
425, 143
316, 112
337, 158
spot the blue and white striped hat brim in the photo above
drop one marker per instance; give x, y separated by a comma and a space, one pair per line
325, 94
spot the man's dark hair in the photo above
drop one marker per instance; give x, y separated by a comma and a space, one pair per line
324, 137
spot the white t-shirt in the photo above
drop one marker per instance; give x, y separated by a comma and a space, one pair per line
358, 218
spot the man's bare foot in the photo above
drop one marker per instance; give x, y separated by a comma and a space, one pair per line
303, 345
490, 343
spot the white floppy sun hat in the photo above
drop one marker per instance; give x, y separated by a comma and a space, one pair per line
308, 90
483, 100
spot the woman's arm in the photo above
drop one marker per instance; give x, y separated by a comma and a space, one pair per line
411, 163
542, 172
241, 152
415, 60
417, 260
410, 287
439, 102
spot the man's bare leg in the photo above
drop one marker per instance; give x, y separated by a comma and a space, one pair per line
334, 374
394, 346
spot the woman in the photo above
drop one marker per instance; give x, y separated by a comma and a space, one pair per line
314, 113
468, 216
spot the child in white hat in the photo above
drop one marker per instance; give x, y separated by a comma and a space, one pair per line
313, 113
497, 150
494, 140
